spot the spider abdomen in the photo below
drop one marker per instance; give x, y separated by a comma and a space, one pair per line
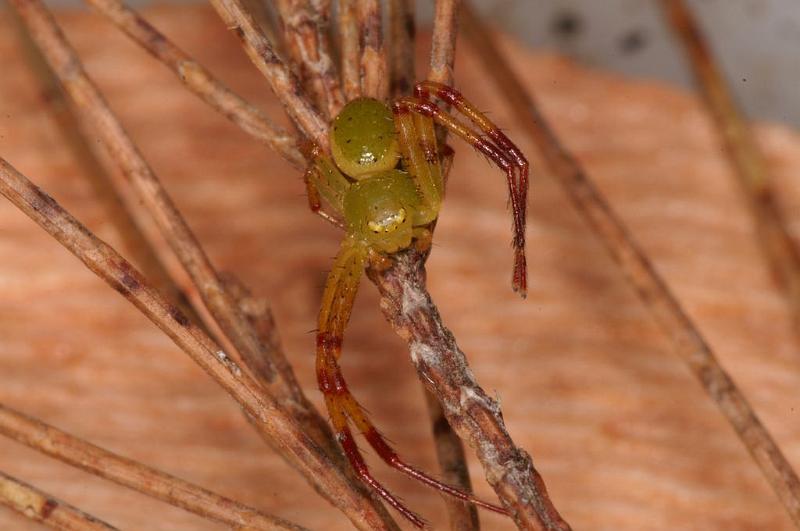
363, 138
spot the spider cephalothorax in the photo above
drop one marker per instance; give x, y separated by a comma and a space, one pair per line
385, 182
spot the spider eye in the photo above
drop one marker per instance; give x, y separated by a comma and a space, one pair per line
367, 157
388, 223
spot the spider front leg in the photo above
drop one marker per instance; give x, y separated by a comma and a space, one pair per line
414, 118
324, 181
423, 91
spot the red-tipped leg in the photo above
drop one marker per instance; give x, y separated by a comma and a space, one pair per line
494, 144
337, 303
342, 406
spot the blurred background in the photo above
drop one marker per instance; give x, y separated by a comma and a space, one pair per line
621, 431
757, 41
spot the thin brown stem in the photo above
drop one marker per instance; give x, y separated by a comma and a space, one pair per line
667, 311
403, 31
277, 378
306, 36
136, 227
67, 123
105, 126
151, 482
349, 48
452, 466
443, 44
374, 68
283, 82
443, 48
39, 506
449, 447
743, 153
258, 313
475, 416
266, 414
200, 81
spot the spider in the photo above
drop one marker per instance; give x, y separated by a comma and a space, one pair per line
385, 181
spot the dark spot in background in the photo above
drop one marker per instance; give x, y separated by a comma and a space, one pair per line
411, 29
567, 25
441, 426
401, 86
633, 41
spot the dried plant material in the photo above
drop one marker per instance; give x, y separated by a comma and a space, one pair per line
443, 368
96, 114
402, 28
134, 224
200, 81
259, 315
136, 234
778, 246
132, 474
305, 28
449, 447
41, 507
284, 83
603, 408
687, 341
568, 480
452, 466
267, 415
374, 69
349, 48
443, 45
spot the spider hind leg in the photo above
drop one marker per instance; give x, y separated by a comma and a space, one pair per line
337, 303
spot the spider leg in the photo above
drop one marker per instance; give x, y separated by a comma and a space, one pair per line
337, 303
387, 453
425, 89
447, 154
324, 181
314, 202
338, 401
504, 158
417, 140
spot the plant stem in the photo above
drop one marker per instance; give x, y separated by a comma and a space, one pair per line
686, 339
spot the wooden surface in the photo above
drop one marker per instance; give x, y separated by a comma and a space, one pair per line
622, 434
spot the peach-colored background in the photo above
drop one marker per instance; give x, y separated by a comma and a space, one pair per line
623, 435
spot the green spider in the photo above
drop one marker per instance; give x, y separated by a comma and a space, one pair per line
385, 183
